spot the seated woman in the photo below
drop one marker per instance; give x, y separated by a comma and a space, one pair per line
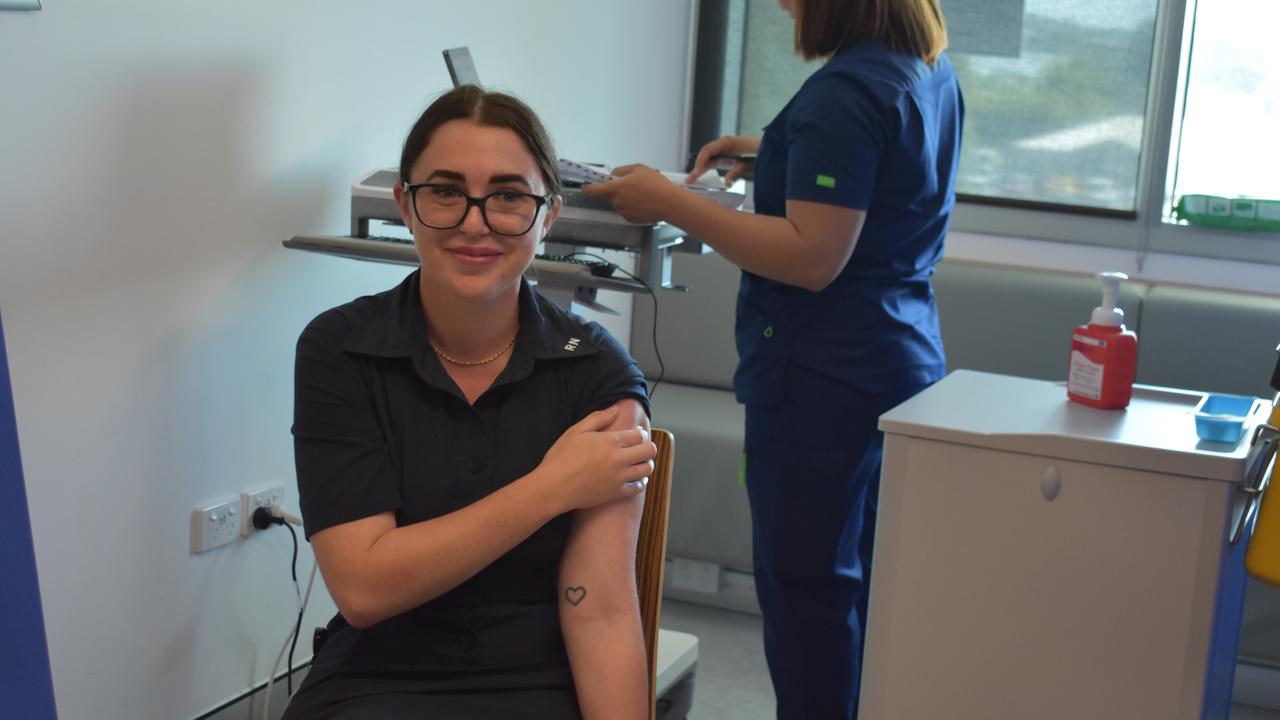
471, 459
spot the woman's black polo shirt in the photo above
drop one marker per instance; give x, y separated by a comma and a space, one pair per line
379, 426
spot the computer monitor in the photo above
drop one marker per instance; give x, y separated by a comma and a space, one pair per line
461, 69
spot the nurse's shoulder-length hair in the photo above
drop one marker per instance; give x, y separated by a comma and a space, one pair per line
913, 27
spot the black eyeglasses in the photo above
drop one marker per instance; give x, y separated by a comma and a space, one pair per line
444, 207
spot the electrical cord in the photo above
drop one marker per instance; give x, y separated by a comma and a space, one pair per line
278, 516
297, 626
662, 368
266, 704
264, 518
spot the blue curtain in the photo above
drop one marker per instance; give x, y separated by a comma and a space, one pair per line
26, 688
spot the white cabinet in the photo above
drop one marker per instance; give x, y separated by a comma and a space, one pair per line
1040, 559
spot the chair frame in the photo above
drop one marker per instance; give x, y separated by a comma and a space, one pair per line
651, 553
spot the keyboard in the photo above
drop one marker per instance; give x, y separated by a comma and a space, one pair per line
402, 251
542, 264
570, 266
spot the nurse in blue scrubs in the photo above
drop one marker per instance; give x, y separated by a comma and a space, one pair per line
836, 321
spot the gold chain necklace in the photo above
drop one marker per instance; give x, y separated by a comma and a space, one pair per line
473, 363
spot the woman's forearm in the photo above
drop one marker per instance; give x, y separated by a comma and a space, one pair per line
413, 564
375, 570
610, 668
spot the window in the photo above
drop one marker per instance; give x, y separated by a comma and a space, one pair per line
1229, 140
1062, 121
1086, 120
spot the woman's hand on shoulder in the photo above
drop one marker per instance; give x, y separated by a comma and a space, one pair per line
591, 464
727, 145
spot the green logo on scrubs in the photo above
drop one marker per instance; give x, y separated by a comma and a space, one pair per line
768, 332
826, 181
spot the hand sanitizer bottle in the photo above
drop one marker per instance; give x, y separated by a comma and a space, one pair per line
1104, 356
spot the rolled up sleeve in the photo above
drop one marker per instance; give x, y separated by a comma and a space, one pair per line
609, 376
344, 463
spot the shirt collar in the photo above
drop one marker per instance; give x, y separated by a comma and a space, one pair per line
396, 327
549, 332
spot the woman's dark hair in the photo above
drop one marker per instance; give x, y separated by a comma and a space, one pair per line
914, 27
469, 102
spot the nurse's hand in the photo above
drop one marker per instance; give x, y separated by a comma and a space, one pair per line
727, 145
590, 464
640, 194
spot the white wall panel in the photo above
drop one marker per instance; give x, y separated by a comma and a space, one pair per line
152, 158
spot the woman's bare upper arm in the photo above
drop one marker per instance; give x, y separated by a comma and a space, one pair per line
600, 553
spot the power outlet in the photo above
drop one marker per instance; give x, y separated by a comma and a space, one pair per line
251, 501
694, 575
215, 524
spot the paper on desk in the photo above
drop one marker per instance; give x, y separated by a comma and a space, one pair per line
709, 179
709, 184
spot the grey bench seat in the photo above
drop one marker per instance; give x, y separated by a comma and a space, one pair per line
994, 318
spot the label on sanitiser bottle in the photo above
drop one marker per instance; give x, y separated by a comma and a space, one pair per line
1085, 376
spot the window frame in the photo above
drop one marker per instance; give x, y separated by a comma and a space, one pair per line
1142, 231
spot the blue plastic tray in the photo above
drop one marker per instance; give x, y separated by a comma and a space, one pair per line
1221, 418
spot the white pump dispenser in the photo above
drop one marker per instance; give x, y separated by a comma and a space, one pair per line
1108, 314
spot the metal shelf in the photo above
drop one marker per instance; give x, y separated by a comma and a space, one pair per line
403, 253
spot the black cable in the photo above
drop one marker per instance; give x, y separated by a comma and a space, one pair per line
662, 368
297, 627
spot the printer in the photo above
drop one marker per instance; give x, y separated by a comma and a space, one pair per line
584, 227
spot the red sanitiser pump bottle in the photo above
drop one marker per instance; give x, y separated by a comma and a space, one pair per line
1104, 356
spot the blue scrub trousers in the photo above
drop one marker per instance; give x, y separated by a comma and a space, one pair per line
812, 476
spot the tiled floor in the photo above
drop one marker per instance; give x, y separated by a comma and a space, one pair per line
733, 682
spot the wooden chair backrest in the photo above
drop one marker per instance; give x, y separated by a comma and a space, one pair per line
651, 553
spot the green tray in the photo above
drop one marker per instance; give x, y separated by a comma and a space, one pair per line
1229, 213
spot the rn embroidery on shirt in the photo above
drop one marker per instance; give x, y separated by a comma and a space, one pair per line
572, 344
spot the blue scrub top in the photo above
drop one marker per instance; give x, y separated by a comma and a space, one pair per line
871, 130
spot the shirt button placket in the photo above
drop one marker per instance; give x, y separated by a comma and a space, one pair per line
466, 639
473, 444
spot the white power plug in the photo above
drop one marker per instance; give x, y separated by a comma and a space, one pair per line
250, 501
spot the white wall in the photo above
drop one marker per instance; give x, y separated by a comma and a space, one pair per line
153, 156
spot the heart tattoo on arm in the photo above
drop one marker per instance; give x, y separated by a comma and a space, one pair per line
575, 595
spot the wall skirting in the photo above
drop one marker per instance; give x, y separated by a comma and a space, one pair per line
248, 705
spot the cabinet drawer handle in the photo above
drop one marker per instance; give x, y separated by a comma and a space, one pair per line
1051, 483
